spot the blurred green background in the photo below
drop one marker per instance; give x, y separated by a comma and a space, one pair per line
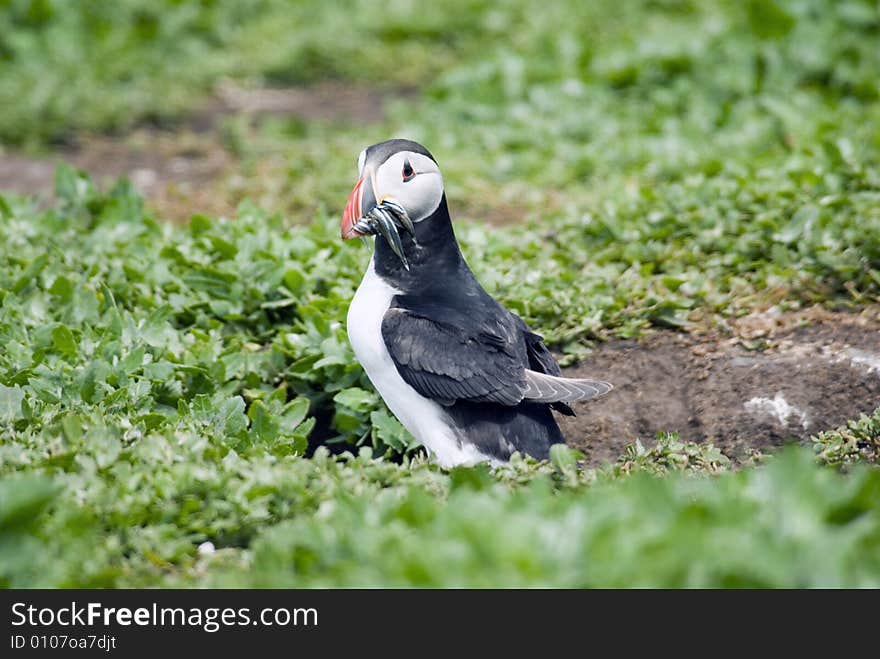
174, 342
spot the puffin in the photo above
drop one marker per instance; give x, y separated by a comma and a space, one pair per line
463, 374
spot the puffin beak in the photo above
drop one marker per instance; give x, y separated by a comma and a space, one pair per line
360, 202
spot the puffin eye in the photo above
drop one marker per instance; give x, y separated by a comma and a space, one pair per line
408, 172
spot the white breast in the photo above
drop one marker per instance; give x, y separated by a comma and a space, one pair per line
424, 418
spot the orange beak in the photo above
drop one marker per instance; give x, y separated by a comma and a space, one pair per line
360, 201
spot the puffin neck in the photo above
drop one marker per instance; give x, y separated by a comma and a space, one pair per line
433, 254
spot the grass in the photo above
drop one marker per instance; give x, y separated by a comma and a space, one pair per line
672, 162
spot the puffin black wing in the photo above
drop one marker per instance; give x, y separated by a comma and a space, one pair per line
447, 355
479, 354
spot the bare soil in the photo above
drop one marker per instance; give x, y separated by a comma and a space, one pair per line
766, 380
323, 101
187, 167
175, 172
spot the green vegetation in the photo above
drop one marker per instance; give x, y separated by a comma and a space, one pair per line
858, 441
672, 161
96, 65
160, 385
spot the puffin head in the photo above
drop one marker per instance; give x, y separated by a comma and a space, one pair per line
399, 182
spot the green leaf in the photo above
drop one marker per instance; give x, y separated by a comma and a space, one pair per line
71, 186
199, 224
474, 478
388, 431
768, 19
63, 288
355, 399
5, 208
294, 280
29, 276
216, 283
72, 426
10, 402
294, 412
64, 341
22, 499
264, 425
231, 411
564, 459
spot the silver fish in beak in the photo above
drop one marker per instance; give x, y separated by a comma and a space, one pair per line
382, 219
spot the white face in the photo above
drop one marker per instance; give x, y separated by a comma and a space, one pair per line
411, 179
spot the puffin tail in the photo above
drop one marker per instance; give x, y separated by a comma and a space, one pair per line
544, 388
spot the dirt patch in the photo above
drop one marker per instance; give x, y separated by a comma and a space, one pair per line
173, 171
188, 168
323, 101
24, 175
765, 383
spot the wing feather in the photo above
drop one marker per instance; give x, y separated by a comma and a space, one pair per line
447, 354
552, 389
445, 361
